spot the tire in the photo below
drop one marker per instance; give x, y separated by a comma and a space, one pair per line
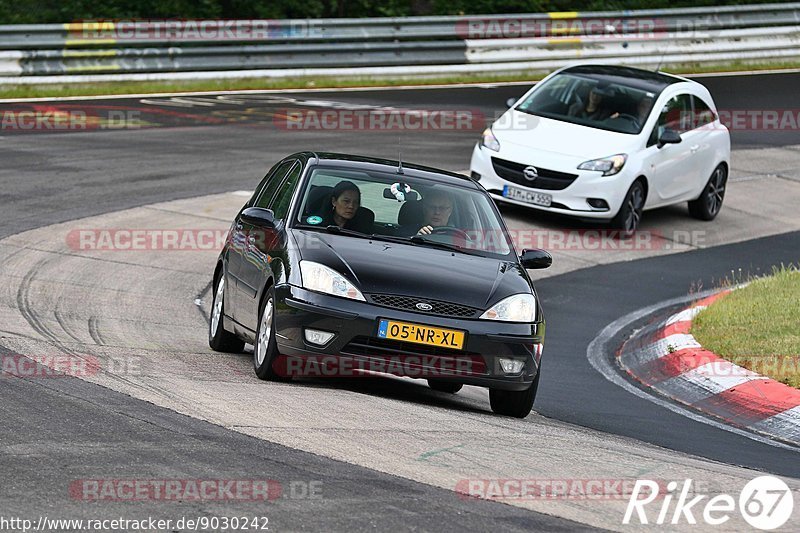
514, 403
218, 339
709, 203
630, 214
444, 386
265, 350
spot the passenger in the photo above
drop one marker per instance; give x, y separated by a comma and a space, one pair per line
593, 109
345, 202
437, 206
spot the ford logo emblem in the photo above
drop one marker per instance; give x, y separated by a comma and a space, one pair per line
422, 306
530, 173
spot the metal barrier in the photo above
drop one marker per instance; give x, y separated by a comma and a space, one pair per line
422, 46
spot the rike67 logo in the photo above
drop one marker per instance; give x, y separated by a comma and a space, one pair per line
765, 503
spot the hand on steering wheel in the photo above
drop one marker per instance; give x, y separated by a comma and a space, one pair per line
451, 230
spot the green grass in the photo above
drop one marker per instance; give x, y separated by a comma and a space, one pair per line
758, 326
144, 87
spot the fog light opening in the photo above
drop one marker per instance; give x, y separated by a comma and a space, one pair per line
511, 366
475, 176
317, 337
598, 203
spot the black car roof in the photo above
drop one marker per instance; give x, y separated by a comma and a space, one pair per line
360, 162
646, 80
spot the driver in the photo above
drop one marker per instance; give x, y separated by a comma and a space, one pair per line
437, 206
594, 108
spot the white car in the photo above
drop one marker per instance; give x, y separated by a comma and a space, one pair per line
607, 142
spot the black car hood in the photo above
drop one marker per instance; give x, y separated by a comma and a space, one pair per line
380, 267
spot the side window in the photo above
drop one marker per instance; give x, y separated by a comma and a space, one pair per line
273, 180
284, 197
702, 113
676, 115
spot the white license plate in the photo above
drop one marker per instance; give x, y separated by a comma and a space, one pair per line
529, 197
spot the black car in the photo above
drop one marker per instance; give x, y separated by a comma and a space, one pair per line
347, 265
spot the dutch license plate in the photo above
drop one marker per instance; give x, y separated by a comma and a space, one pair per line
529, 197
417, 333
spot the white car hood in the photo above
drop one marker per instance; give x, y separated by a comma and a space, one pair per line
521, 135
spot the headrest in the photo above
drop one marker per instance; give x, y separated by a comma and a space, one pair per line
410, 213
319, 199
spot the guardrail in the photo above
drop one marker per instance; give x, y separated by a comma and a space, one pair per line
421, 46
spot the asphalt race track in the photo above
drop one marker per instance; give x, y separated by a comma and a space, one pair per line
57, 431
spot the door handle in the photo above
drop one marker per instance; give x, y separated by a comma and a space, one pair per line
694, 148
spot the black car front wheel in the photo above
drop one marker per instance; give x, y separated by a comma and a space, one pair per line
444, 386
709, 204
514, 403
265, 351
218, 339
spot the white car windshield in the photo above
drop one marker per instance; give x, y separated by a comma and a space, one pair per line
591, 101
398, 206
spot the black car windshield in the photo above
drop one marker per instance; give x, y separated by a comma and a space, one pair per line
592, 101
402, 209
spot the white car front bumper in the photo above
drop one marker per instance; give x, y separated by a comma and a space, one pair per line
571, 201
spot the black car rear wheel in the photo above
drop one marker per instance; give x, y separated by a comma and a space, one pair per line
514, 403
218, 339
444, 386
265, 351
709, 204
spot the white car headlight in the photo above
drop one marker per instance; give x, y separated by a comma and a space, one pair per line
607, 165
489, 140
319, 278
516, 308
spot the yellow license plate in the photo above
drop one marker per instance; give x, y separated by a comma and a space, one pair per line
403, 331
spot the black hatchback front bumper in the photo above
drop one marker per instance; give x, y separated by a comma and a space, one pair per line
356, 345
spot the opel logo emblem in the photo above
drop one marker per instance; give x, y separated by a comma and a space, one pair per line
422, 306
530, 173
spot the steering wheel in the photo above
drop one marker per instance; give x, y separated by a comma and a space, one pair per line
451, 230
626, 116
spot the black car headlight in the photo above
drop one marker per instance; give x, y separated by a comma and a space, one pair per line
319, 278
516, 308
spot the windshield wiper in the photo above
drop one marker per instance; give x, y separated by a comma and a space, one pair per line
333, 228
420, 239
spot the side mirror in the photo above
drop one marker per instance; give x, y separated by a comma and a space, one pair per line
668, 136
535, 259
259, 217
510, 102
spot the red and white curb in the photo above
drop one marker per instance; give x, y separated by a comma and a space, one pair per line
668, 359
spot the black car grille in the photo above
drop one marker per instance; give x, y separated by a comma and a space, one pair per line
549, 180
409, 303
399, 352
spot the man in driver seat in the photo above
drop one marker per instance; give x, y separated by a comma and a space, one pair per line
437, 206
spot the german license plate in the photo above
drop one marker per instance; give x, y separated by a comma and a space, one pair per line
529, 197
417, 333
